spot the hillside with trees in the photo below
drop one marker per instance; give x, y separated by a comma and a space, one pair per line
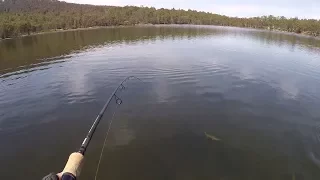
22, 17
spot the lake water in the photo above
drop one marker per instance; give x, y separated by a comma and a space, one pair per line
256, 91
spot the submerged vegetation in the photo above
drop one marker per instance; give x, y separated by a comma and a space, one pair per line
23, 17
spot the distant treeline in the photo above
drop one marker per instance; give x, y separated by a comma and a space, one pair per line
20, 17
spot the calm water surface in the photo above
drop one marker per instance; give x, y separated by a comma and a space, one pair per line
257, 91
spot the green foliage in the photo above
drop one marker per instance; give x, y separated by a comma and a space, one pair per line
19, 17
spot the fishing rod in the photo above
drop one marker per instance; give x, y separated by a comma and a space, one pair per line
75, 161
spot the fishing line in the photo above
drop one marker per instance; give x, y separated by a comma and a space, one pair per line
118, 102
105, 142
96, 122
73, 166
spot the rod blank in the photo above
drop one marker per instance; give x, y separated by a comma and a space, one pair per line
75, 161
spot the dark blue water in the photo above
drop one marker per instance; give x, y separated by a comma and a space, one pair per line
256, 91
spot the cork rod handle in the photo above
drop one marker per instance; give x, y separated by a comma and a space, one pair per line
73, 166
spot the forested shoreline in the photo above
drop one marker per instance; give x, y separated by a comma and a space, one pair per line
25, 17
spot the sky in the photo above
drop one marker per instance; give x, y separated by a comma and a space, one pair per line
243, 8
